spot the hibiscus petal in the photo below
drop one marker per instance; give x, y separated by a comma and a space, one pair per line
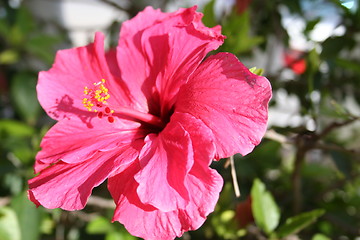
72, 141
183, 47
68, 186
163, 54
202, 184
142, 20
152, 223
230, 100
165, 160
61, 89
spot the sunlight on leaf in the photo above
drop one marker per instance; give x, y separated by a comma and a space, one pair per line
265, 209
9, 225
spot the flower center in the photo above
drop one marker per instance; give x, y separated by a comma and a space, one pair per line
95, 100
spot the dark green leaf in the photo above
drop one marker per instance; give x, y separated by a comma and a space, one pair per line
24, 96
24, 21
237, 30
349, 64
4, 28
311, 25
209, 15
295, 224
29, 216
42, 46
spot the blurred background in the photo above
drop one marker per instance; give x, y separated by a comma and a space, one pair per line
301, 182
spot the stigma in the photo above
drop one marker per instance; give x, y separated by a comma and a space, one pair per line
95, 100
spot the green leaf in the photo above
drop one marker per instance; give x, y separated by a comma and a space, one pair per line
13, 182
351, 65
23, 26
257, 71
319, 236
24, 20
114, 236
295, 224
9, 225
24, 96
30, 217
265, 210
9, 56
222, 220
15, 129
119, 236
313, 60
41, 45
16, 139
310, 25
227, 215
4, 28
99, 225
47, 225
209, 15
237, 28
332, 46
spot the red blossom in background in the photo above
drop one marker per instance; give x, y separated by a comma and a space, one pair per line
294, 59
242, 5
149, 117
244, 214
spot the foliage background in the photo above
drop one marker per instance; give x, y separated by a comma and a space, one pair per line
301, 182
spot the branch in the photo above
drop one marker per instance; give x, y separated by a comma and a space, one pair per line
334, 125
314, 144
101, 202
115, 5
86, 217
296, 180
277, 137
333, 147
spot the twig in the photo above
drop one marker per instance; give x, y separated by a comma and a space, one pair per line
113, 4
87, 217
333, 147
272, 135
234, 177
334, 125
275, 136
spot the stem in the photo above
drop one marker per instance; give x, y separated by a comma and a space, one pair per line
234, 177
296, 180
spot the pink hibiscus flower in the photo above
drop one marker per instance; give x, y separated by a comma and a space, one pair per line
149, 117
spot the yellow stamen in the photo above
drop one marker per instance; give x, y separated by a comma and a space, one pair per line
95, 100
